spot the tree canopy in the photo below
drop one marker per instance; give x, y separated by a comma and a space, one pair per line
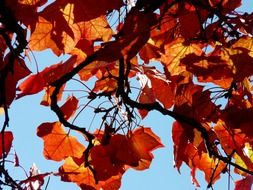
189, 60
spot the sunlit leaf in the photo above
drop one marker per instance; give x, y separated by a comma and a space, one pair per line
58, 144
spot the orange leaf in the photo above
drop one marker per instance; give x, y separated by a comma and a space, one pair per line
180, 140
46, 101
189, 19
32, 85
8, 138
163, 90
106, 85
57, 143
73, 170
143, 141
230, 140
148, 52
35, 83
146, 97
175, 51
133, 150
41, 38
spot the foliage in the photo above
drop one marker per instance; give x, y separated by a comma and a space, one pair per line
190, 60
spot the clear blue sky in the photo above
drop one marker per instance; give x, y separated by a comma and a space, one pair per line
26, 114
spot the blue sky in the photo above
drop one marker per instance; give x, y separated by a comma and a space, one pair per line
26, 114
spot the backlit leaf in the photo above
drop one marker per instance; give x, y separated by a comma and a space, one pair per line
6, 139
73, 170
244, 184
58, 144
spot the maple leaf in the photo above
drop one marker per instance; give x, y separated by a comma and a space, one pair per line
58, 144
163, 33
175, 51
19, 72
143, 140
149, 52
132, 37
227, 5
63, 23
41, 37
243, 157
69, 107
98, 68
163, 89
209, 68
73, 170
244, 184
193, 102
189, 19
46, 101
35, 83
7, 142
238, 118
230, 140
133, 150
106, 85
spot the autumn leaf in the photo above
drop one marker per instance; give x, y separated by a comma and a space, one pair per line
58, 144
37, 82
32, 85
20, 71
209, 68
105, 85
6, 139
149, 52
244, 184
131, 41
230, 139
133, 150
146, 97
193, 102
41, 38
103, 164
189, 19
69, 107
144, 141
73, 170
175, 51
163, 89
46, 100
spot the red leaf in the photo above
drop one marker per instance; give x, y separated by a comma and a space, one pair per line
69, 107
8, 138
244, 184
73, 170
19, 72
133, 150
